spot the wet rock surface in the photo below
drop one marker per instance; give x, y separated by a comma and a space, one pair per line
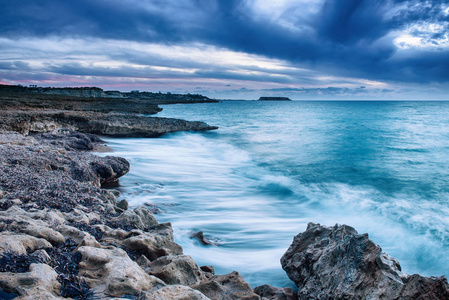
109, 124
267, 291
64, 236
338, 263
24, 101
204, 240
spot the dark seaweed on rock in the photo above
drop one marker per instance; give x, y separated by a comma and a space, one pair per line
54, 178
92, 230
17, 263
65, 263
74, 287
4, 205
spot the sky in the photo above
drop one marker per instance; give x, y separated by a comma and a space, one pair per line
231, 49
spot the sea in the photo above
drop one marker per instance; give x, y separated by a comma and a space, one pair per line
272, 167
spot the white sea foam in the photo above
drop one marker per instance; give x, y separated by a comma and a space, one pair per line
256, 188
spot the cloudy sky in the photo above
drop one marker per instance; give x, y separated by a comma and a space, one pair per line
231, 49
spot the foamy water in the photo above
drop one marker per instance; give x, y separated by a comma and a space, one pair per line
271, 168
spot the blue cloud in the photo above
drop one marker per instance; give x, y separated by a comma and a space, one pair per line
343, 38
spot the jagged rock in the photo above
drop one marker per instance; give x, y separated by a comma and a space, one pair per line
68, 139
180, 269
36, 224
123, 204
112, 234
42, 177
109, 168
109, 196
146, 216
143, 262
90, 241
204, 240
21, 243
163, 229
338, 263
39, 282
208, 269
44, 232
71, 233
227, 287
267, 291
113, 272
42, 256
111, 124
174, 292
128, 220
152, 246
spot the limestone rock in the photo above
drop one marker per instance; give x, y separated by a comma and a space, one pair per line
71, 233
338, 263
174, 292
114, 272
180, 269
49, 234
128, 220
21, 243
110, 124
39, 281
43, 177
208, 269
123, 204
267, 291
204, 240
32, 223
146, 216
227, 287
152, 246
163, 229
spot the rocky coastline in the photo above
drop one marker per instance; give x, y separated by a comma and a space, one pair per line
99, 94
65, 233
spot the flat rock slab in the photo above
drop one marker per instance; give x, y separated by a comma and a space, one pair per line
109, 124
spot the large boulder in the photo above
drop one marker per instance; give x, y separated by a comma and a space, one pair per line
21, 243
112, 272
338, 263
173, 292
110, 124
153, 244
269, 292
230, 286
179, 269
39, 283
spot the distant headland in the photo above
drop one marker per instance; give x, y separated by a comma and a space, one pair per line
274, 99
96, 92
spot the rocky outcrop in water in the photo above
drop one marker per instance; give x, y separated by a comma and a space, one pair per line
274, 99
338, 263
111, 124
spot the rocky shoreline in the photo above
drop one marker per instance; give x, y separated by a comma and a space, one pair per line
63, 234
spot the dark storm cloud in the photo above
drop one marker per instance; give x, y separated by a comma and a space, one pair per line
14, 65
343, 38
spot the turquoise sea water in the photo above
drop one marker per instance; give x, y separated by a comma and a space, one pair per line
272, 167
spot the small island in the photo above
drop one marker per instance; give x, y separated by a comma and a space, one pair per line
274, 99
